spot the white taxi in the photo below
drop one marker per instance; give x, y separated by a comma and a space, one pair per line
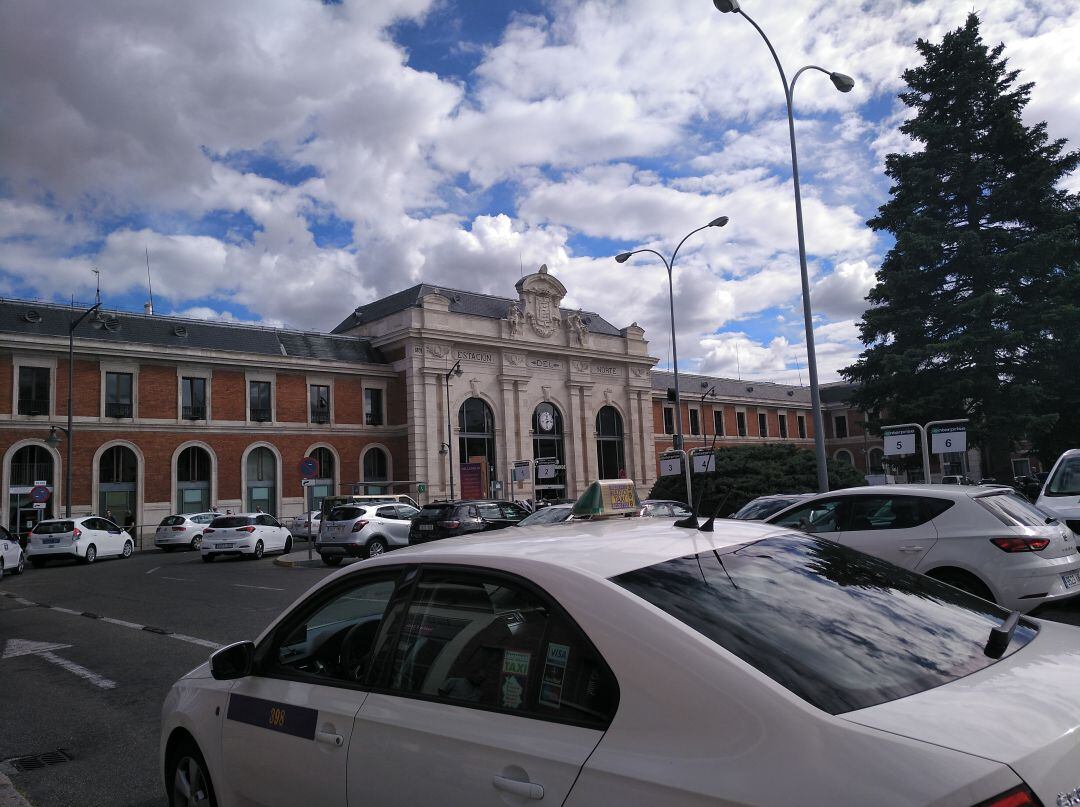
244, 534
12, 559
182, 529
637, 663
84, 539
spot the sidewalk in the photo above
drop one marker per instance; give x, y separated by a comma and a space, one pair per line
299, 560
9, 796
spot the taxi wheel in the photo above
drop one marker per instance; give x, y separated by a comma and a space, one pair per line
374, 548
128, 549
91, 554
331, 560
189, 781
258, 550
196, 542
288, 546
21, 564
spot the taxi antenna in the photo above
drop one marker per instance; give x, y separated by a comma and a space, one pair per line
708, 525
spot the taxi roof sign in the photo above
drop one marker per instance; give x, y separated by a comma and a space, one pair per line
606, 498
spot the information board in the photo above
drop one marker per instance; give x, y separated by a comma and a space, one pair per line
472, 480
520, 471
948, 439
899, 442
702, 462
671, 463
546, 468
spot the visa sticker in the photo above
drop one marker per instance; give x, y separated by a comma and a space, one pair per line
551, 683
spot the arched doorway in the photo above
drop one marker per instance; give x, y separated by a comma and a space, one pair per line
610, 453
476, 448
118, 475
30, 465
262, 481
194, 470
323, 485
376, 469
548, 443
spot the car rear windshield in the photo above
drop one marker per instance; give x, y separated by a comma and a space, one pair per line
224, 522
549, 515
1066, 479
838, 628
344, 514
435, 510
53, 527
172, 521
1012, 510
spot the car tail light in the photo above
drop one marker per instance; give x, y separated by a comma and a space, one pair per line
178, 529
1015, 543
245, 529
359, 525
450, 525
207, 530
1020, 796
76, 534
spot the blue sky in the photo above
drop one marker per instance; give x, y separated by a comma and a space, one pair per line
285, 161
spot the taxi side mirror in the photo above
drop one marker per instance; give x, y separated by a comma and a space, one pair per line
233, 661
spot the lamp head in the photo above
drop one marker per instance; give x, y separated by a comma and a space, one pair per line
720, 222
842, 82
442, 449
623, 257
726, 6
53, 440
457, 369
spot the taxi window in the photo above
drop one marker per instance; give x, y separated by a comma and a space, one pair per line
387, 512
407, 511
486, 642
489, 510
822, 515
53, 527
886, 513
332, 640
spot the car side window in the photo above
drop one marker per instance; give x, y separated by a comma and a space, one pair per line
387, 512
407, 512
512, 511
490, 511
817, 516
885, 513
485, 642
333, 636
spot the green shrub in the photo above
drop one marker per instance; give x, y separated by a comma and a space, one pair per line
746, 472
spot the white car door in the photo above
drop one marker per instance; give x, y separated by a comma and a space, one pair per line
288, 727
895, 528
109, 538
490, 693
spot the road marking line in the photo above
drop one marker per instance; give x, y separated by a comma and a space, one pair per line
21, 601
264, 588
153, 570
202, 642
178, 579
79, 670
121, 623
71, 611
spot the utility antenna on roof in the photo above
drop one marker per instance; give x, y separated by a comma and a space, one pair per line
149, 284
97, 278
799, 368
738, 367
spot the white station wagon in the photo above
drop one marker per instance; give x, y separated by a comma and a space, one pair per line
83, 539
633, 663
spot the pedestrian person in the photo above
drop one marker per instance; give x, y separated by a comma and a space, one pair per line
109, 516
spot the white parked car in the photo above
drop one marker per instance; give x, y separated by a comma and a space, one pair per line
250, 534
1060, 496
306, 524
986, 540
634, 663
762, 507
367, 531
182, 529
12, 559
84, 539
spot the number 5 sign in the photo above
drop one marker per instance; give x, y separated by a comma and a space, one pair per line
897, 443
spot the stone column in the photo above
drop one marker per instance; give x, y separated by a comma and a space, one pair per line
433, 468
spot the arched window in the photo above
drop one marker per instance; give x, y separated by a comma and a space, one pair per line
262, 481
476, 442
324, 484
29, 465
547, 427
118, 474
610, 454
376, 466
193, 472
845, 456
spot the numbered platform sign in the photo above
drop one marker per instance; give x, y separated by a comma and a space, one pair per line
899, 442
703, 462
546, 468
520, 471
948, 440
671, 463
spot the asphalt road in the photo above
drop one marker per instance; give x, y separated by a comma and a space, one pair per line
92, 686
97, 695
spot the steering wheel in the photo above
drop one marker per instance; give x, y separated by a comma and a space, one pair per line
356, 648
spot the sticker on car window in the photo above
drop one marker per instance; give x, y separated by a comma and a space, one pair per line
551, 683
515, 676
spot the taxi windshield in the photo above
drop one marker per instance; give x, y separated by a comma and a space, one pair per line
1066, 478
838, 628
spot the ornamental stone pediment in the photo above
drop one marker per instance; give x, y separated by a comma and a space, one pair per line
539, 298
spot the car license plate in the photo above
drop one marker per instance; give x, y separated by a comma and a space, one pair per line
225, 546
1071, 580
50, 540
427, 526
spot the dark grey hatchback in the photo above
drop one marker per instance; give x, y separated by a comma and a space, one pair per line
463, 517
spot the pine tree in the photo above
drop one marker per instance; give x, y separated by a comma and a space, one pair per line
967, 317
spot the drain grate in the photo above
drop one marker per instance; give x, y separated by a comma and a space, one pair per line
33, 762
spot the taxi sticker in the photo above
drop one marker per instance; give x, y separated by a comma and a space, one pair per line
299, 721
515, 677
551, 683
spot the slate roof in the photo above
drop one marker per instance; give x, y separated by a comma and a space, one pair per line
461, 302
692, 386
176, 333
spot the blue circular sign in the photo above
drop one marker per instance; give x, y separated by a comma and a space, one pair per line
309, 468
40, 493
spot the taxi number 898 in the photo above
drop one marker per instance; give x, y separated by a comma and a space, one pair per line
277, 717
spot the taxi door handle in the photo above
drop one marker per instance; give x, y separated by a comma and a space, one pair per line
527, 790
911, 548
329, 738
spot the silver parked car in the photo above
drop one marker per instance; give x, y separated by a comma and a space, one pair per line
306, 525
182, 529
364, 531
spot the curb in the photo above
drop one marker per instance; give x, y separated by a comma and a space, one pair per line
297, 560
9, 796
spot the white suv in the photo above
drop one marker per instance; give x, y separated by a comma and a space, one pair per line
84, 539
182, 529
1060, 496
363, 530
249, 534
987, 541
12, 559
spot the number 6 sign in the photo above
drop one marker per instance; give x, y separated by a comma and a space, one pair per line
949, 440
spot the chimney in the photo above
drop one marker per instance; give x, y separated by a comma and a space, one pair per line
148, 309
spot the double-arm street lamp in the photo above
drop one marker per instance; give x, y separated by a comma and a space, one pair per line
622, 257
455, 370
53, 439
844, 84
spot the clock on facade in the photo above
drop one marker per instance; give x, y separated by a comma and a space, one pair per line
547, 420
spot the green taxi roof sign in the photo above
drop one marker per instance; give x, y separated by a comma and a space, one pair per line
606, 498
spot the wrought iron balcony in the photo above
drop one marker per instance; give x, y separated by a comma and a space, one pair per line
261, 414
320, 414
118, 410
194, 412
33, 406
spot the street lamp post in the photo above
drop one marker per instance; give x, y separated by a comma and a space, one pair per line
843, 83
455, 370
622, 257
52, 439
